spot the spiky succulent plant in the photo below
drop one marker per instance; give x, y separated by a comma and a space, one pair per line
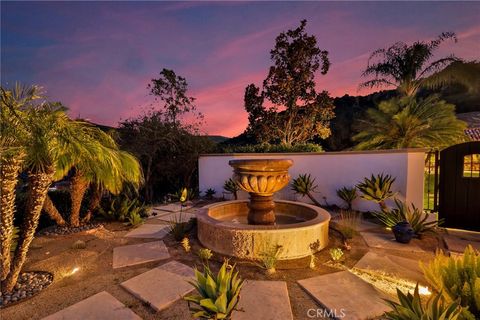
348, 195
377, 188
305, 185
217, 295
231, 186
410, 307
417, 219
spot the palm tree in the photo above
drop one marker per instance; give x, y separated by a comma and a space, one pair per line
408, 67
410, 122
47, 143
101, 163
109, 170
12, 155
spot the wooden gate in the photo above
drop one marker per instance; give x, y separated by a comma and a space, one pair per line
459, 187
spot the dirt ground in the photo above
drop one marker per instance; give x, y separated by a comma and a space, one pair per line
95, 272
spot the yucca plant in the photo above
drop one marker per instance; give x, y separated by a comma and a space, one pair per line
415, 217
457, 278
218, 295
348, 195
410, 307
377, 188
305, 185
231, 186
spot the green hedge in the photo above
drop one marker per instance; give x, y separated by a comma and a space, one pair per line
272, 148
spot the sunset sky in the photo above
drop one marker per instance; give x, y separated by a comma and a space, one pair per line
98, 57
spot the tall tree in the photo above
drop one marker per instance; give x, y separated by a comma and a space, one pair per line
408, 67
298, 113
410, 122
171, 90
166, 140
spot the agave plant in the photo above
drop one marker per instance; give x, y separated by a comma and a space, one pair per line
218, 295
377, 189
415, 217
305, 185
348, 195
231, 186
410, 307
457, 278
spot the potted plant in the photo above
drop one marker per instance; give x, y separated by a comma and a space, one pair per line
403, 232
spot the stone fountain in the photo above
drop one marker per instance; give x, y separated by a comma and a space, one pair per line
249, 229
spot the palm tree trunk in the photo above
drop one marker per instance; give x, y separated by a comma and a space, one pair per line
78, 187
37, 191
94, 203
52, 211
8, 180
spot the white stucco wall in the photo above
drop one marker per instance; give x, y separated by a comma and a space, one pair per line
331, 170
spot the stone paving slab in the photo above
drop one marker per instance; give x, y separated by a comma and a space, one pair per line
171, 207
178, 268
149, 231
464, 234
176, 216
387, 241
266, 300
391, 265
158, 288
457, 244
139, 253
346, 295
99, 306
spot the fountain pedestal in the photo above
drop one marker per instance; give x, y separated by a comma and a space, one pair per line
261, 209
261, 179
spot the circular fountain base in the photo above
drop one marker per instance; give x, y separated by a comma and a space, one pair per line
300, 229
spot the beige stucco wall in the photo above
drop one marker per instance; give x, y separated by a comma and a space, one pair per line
331, 170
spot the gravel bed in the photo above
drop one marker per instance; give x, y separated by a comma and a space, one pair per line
64, 230
28, 285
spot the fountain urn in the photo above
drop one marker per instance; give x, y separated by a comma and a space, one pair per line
261, 178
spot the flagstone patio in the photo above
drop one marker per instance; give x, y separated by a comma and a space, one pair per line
139, 253
99, 306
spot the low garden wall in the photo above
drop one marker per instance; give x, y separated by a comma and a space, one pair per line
331, 170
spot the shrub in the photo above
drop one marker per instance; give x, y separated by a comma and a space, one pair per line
416, 218
377, 189
205, 254
232, 187
121, 208
348, 195
217, 295
336, 254
305, 185
269, 258
134, 218
457, 278
348, 223
411, 308
180, 229
210, 193
272, 148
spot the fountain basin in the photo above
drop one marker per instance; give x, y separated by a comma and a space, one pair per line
300, 230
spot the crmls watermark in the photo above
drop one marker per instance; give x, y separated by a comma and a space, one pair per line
326, 313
